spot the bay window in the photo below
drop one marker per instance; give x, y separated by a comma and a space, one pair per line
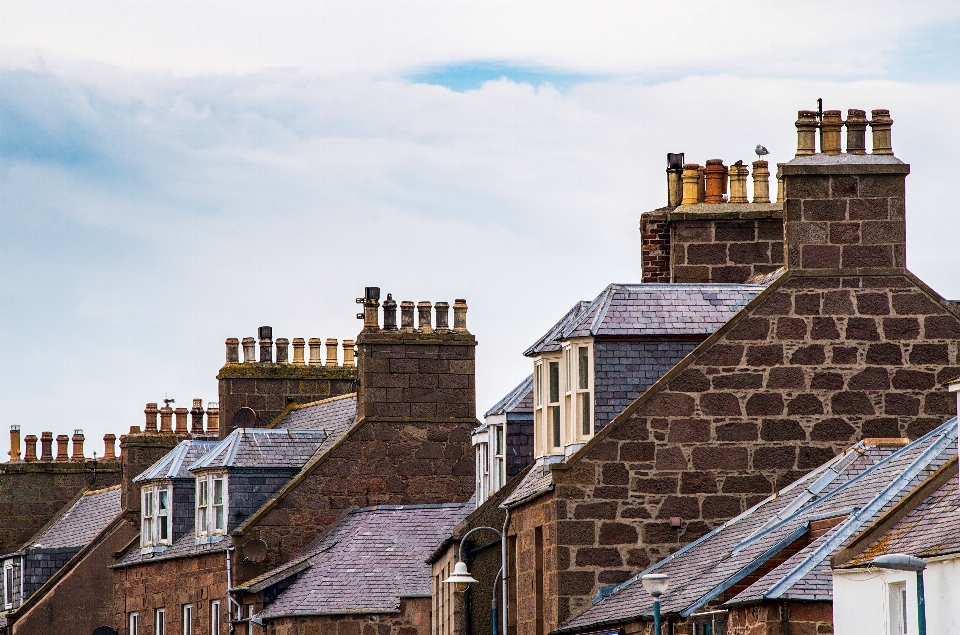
553, 406
155, 504
584, 402
8, 585
499, 458
211, 501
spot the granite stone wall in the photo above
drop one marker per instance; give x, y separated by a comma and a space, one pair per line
716, 248
413, 618
624, 369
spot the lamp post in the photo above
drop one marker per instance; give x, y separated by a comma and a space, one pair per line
903, 562
462, 579
656, 585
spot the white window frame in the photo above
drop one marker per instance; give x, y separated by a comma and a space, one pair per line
215, 617
498, 454
554, 408
134, 622
897, 599
539, 433
250, 613
160, 622
8, 587
482, 486
153, 518
208, 511
584, 401
187, 624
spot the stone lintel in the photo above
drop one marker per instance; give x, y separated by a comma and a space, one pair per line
726, 211
822, 164
285, 371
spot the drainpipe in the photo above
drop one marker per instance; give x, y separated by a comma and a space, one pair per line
785, 618
503, 566
230, 601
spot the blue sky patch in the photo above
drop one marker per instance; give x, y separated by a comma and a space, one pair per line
472, 75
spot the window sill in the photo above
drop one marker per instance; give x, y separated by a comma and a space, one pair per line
208, 540
153, 549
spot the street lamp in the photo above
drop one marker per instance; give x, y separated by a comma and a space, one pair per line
903, 562
462, 579
656, 585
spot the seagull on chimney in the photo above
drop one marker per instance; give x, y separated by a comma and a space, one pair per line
760, 150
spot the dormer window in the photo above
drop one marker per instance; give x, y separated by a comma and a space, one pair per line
211, 505
155, 516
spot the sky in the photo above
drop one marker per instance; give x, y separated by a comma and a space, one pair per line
176, 173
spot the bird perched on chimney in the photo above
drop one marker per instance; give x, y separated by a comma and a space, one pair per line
739, 163
760, 150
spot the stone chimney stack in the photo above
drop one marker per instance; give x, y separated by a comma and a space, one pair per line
77, 446
425, 374
14, 443
845, 212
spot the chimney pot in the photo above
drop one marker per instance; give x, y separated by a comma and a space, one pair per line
181, 420
77, 445
196, 416
63, 450
715, 175
166, 420
233, 353
880, 125
460, 315
349, 359
331, 352
315, 345
423, 317
283, 346
133, 430
30, 448
830, 127
856, 131
371, 312
213, 418
807, 125
151, 413
761, 182
249, 350
674, 178
406, 316
265, 335
442, 310
109, 446
738, 183
780, 182
389, 313
298, 345
691, 184
14, 443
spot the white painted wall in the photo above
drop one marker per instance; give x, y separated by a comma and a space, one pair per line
860, 599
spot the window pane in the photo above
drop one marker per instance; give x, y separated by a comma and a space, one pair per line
188, 620
134, 624
215, 618
566, 367
586, 413
163, 501
147, 531
162, 522
555, 423
219, 518
554, 382
538, 385
583, 360
499, 440
218, 491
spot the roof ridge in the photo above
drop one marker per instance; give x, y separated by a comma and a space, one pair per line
602, 309
101, 490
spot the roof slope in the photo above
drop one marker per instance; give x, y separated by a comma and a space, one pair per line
550, 341
369, 561
333, 414
856, 486
520, 399
262, 448
176, 463
82, 522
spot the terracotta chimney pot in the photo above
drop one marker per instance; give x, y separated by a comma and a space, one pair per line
761, 182
738, 183
806, 132
14, 443
233, 352
30, 448
349, 358
46, 446
151, 413
880, 125
109, 446
691, 184
315, 345
830, 126
715, 175
298, 345
331, 352
166, 420
63, 449
213, 418
181, 414
856, 131
77, 445
196, 417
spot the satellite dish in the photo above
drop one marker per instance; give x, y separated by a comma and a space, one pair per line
104, 630
245, 418
254, 550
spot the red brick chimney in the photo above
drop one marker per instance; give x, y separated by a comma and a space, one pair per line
845, 211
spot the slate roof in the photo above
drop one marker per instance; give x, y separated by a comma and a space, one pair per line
930, 529
649, 309
856, 486
538, 480
82, 522
333, 414
262, 448
184, 547
369, 561
520, 399
176, 462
